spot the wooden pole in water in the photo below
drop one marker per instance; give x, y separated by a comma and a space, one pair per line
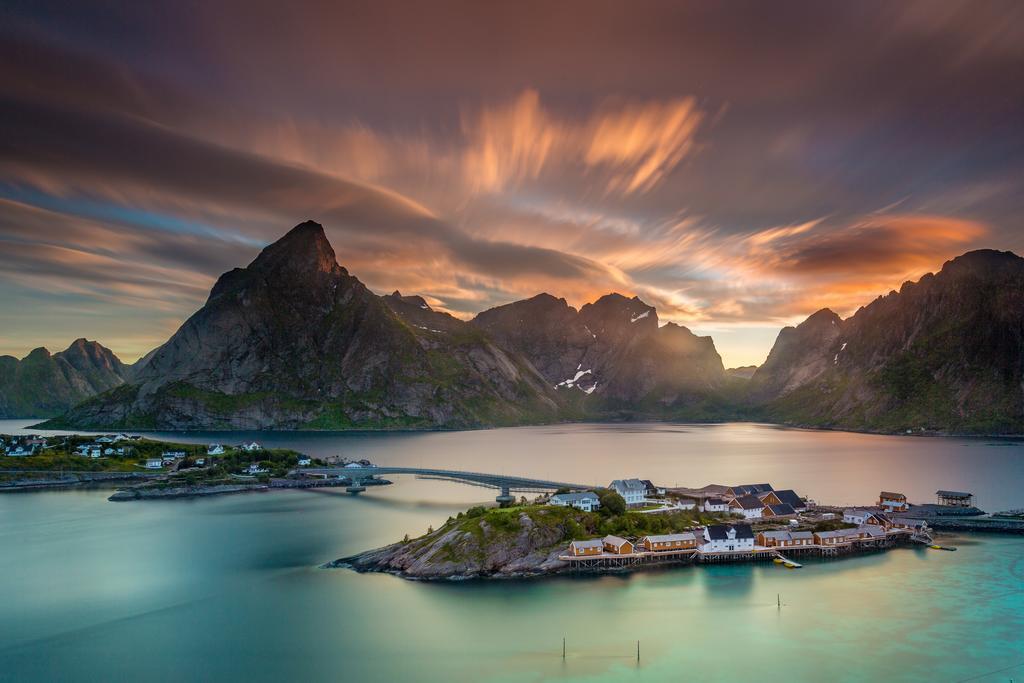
778, 597
563, 648
638, 650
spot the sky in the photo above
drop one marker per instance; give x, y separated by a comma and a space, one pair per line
738, 165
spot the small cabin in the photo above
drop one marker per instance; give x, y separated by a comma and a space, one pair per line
617, 545
665, 542
837, 537
769, 498
891, 501
154, 464
716, 505
586, 548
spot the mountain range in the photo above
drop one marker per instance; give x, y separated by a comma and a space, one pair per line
293, 341
43, 384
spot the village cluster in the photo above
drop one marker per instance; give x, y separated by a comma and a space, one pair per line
749, 504
123, 446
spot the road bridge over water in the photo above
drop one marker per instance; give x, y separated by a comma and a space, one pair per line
505, 484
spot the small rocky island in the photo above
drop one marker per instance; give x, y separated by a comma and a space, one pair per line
514, 542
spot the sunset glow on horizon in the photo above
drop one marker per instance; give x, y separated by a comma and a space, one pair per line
736, 170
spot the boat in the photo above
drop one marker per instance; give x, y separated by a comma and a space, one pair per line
778, 560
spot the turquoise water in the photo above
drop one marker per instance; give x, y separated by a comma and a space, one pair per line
229, 589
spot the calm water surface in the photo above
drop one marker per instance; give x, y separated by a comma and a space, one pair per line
229, 589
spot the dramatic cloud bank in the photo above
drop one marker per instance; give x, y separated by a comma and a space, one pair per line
737, 166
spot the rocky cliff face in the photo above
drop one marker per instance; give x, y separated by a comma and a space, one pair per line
611, 358
293, 341
511, 545
43, 384
942, 354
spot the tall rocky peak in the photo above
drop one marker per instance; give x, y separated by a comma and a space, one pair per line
293, 341
302, 251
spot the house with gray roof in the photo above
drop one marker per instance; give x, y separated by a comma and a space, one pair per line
585, 500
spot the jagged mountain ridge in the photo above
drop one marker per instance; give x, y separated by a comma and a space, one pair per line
944, 354
611, 357
43, 384
294, 341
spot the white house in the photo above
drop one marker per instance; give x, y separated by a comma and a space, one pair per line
305, 461
105, 439
857, 516
254, 468
215, 449
715, 505
154, 464
251, 447
20, 451
94, 452
173, 455
633, 491
749, 506
200, 461
727, 537
586, 501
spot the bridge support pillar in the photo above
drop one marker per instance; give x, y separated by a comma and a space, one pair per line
505, 498
355, 487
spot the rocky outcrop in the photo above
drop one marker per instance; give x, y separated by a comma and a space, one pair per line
526, 544
944, 354
293, 341
43, 384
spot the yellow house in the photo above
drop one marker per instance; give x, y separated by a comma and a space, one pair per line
617, 545
683, 541
585, 548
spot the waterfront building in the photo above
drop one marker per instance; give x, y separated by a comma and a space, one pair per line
304, 461
892, 502
727, 537
215, 449
837, 537
768, 498
617, 545
716, 505
861, 516
154, 464
582, 548
586, 501
661, 543
633, 491
959, 499
750, 506
871, 531
251, 447
784, 539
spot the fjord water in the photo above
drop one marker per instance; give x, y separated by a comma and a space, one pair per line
229, 588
